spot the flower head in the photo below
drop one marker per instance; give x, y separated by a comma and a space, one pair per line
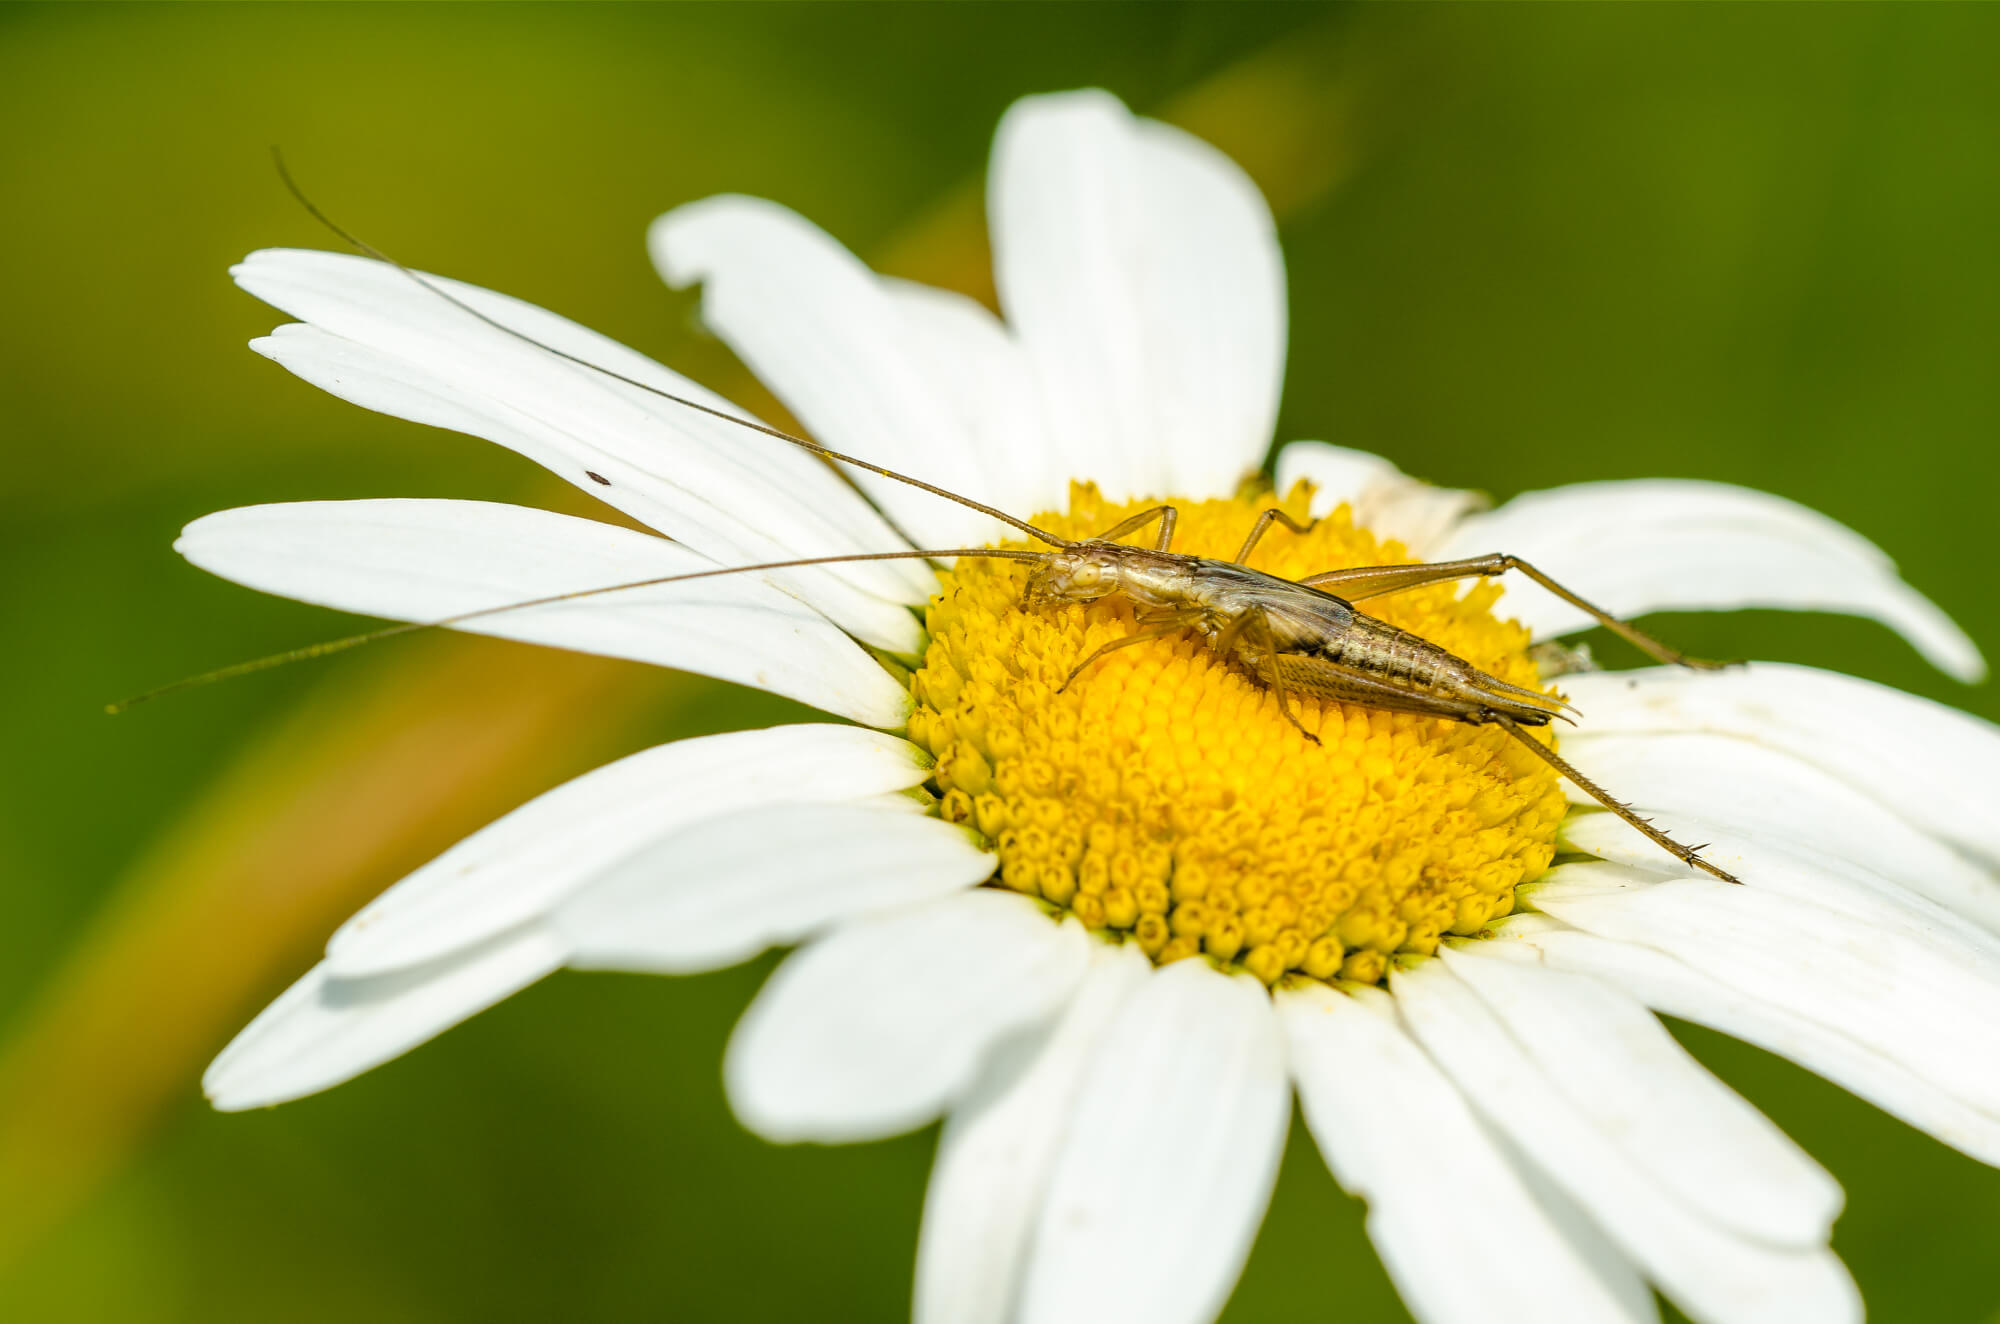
1163, 795
1104, 923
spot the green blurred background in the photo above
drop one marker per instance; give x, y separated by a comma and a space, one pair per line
1527, 246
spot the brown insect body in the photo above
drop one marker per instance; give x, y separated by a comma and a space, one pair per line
1300, 626
1293, 637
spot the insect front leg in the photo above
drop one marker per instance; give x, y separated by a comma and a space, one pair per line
1162, 626
1264, 522
1168, 516
1362, 582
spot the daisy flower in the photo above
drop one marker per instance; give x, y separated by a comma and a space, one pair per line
1104, 932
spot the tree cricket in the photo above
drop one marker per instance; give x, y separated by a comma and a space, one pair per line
1291, 637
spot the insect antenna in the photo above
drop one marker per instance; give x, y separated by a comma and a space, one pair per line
363, 246
332, 646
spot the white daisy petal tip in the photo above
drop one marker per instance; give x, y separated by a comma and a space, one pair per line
1635, 546
490, 568
1139, 270
269, 273
326, 1030
847, 352
878, 1027
525, 865
677, 238
258, 262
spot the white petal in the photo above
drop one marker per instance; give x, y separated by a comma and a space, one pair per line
325, 1029
1660, 544
1398, 1134
1931, 764
1586, 1236
998, 1145
1670, 986
722, 890
1789, 868
984, 378
1693, 1135
1764, 794
429, 560
1717, 1277
1162, 1182
385, 343
1384, 500
878, 1027
825, 334
519, 867
1140, 270
1909, 1001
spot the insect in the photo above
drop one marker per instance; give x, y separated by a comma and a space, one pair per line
1292, 637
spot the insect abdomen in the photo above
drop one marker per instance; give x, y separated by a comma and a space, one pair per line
1385, 652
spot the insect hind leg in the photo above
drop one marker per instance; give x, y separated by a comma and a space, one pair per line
1688, 855
1359, 583
1625, 630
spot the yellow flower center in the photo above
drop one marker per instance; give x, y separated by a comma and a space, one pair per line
1164, 796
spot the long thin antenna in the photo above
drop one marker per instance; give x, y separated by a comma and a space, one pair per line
333, 646
363, 246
